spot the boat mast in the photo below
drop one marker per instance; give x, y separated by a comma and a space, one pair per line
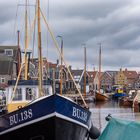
39, 50
19, 53
84, 71
99, 67
61, 66
61, 74
26, 41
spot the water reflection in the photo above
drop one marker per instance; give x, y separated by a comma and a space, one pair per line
101, 109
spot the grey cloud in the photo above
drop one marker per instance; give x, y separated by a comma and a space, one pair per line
114, 23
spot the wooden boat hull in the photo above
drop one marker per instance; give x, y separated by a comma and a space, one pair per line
125, 102
50, 118
101, 97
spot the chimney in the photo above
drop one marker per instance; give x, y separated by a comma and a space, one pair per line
57, 61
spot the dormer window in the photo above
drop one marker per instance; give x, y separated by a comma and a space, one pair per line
9, 52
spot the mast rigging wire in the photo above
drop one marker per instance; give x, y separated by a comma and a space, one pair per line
67, 66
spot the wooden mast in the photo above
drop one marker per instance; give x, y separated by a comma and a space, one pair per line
39, 50
26, 41
19, 53
61, 67
84, 71
99, 67
61, 74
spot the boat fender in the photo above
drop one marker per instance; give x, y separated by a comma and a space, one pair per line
94, 132
108, 117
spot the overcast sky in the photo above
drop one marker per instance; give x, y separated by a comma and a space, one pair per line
113, 23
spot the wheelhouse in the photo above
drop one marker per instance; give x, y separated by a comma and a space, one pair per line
26, 91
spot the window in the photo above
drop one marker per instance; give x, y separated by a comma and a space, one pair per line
2, 80
46, 91
9, 52
30, 94
18, 95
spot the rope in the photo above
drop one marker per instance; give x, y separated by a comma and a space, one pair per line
13, 94
56, 45
34, 35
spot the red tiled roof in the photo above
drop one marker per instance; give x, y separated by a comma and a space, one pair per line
130, 74
3, 86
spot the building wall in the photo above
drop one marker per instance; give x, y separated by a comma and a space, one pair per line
107, 82
6, 78
120, 78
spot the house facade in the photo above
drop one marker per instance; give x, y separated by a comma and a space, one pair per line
136, 83
93, 80
53, 72
120, 78
131, 77
108, 80
8, 63
79, 79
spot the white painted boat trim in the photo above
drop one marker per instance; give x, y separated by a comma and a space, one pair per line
43, 118
71, 120
46, 96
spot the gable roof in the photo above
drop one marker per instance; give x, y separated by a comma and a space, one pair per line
45, 62
92, 74
112, 73
130, 74
77, 72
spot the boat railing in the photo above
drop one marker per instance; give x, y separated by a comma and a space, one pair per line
3, 108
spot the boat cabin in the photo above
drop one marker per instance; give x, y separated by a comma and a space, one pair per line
119, 90
26, 91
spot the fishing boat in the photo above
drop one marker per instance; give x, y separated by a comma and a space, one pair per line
38, 113
119, 92
101, 97
52, 117
98, 95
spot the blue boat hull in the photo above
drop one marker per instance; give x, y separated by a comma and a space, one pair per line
51, 118
53, 128
116, 95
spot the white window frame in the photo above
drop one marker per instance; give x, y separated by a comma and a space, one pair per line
30, 93
2, 80
18, 95
7, 50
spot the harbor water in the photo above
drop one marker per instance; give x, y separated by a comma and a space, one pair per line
101, 109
